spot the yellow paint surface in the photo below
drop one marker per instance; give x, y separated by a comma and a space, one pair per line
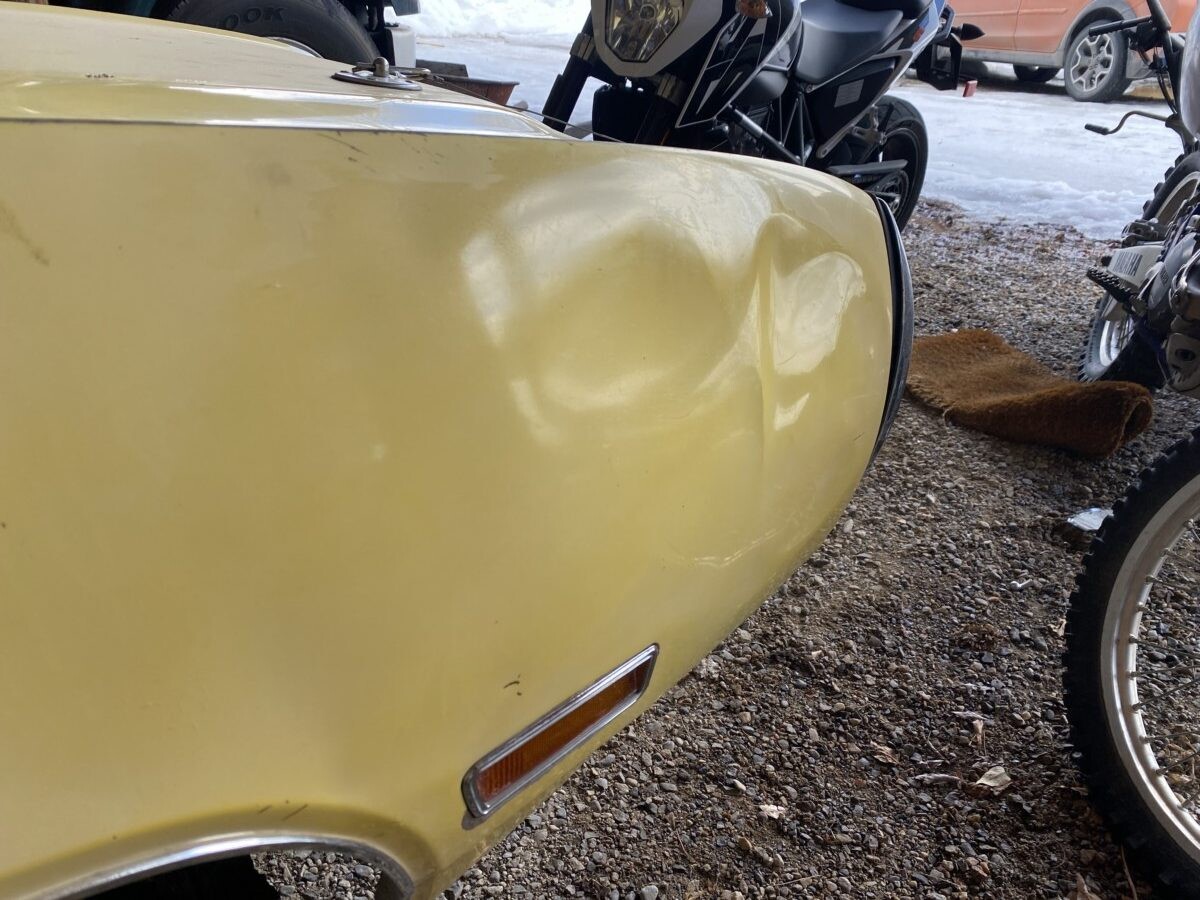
313, 441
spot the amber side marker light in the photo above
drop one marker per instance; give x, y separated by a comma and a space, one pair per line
525, 757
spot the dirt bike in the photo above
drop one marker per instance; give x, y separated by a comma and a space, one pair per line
1146, 325
1132, 669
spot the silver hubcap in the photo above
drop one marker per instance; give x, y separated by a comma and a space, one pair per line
1151, 666
1092, 61
1114, 336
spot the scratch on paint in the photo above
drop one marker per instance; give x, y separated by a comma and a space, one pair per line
295, 812
264, 809
344, 143
9, 226
514, 683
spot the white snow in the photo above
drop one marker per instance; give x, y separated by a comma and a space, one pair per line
1026, 156
500, 18
1006, 152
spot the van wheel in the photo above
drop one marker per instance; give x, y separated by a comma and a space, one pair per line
1094, 71
324, 27
1035, 74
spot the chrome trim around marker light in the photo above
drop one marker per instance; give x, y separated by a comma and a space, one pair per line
480, 808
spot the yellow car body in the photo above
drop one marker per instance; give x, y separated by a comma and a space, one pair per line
346, 431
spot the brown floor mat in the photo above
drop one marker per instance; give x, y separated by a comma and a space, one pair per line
981, 382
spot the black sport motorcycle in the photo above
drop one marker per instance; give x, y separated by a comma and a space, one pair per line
757, 77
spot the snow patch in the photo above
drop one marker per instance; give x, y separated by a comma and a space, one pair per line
504, 19
1006, 152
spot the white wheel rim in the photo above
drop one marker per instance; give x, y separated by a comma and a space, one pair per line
1114, 337
1150, 669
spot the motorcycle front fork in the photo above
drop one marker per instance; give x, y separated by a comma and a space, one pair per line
568, 85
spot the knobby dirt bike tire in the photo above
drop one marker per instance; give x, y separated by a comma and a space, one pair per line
1112, 789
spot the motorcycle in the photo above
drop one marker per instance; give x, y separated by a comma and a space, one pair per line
1131, 665
1146, 325
1131, 669
750, 77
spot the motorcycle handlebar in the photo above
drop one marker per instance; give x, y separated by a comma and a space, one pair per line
1109, 27
1159, 15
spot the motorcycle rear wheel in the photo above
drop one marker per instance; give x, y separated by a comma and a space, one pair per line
1115, 352
904, 137
1131, 665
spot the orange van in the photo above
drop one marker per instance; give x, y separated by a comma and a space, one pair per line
1042, 37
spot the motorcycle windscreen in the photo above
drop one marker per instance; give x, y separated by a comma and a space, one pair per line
1189, 76
743, 45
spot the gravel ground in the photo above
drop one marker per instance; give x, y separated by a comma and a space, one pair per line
830, 747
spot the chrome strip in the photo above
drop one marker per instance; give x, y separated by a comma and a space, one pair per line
479, 809
902, 323
394, 882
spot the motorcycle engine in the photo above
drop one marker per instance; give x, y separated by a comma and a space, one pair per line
1175, 287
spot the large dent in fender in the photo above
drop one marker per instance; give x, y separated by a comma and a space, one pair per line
437, 411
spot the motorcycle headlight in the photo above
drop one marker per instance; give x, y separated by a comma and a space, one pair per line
636, 28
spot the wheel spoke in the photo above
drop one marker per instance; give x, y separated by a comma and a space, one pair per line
1142, 642
1163, 770
1159, 671
1176, 555
1167, 738
1184, 800
1149, 640
1141, 704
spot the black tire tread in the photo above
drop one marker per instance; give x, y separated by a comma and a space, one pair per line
1149, 207
324, 25
1034, 74
1112, 792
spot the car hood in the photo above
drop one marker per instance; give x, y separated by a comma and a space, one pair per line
72, 65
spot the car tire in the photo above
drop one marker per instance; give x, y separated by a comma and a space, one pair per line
1094, 69
1035, 74
323, 27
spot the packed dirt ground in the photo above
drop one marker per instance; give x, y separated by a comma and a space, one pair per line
830, 746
